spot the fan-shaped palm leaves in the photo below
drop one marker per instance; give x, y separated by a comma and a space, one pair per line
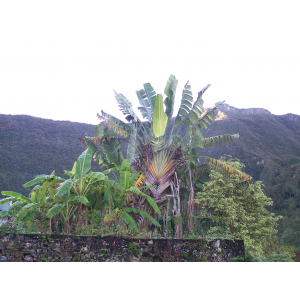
160, 157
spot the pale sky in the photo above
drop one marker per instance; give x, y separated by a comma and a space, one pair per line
61, 61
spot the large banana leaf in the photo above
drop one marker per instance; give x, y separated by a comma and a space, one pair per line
113, 151
83, 163
134, 177
117, 169
24, 210
42, 178
96, 175
99, 129
41, 196
8, 199
170, 91
55, 210
74, 167
51, 191
112, 183
125, 175
109, 195
185, 106
65, 187
160, 119
69, 173
97, 156
128, 220
143, 214
135, 190
82, 199
17, 196
15, 205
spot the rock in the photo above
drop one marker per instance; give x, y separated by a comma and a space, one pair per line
3, 259
68, 257
217, 244
28, 258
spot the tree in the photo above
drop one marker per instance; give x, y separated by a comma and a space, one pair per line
242, 207
163, 160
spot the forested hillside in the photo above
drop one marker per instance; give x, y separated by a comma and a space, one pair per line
31, 146
269, 146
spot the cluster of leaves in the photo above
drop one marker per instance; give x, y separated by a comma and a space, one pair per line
94, 190
243, 207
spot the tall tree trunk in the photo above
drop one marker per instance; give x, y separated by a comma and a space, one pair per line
50, 225
164, 223
191, 203
67, 227
167, 229
175, 187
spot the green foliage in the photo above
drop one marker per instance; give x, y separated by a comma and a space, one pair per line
134, 248
143, 214
57, 208
244, 209
263, 137
125, 175
160, 119
170, 91
83, 163
128, 220
15, 196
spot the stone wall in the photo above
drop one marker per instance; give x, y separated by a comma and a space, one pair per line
62, 248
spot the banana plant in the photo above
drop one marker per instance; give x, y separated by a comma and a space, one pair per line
37, 199
74, 192
119, 201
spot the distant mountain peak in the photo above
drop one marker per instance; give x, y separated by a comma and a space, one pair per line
245, 111
293, 117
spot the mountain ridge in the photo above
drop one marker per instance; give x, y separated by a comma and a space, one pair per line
223, 107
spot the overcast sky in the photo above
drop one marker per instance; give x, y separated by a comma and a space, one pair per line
61, 61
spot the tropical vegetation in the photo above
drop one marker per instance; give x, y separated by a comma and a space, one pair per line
168, 161
154, 184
